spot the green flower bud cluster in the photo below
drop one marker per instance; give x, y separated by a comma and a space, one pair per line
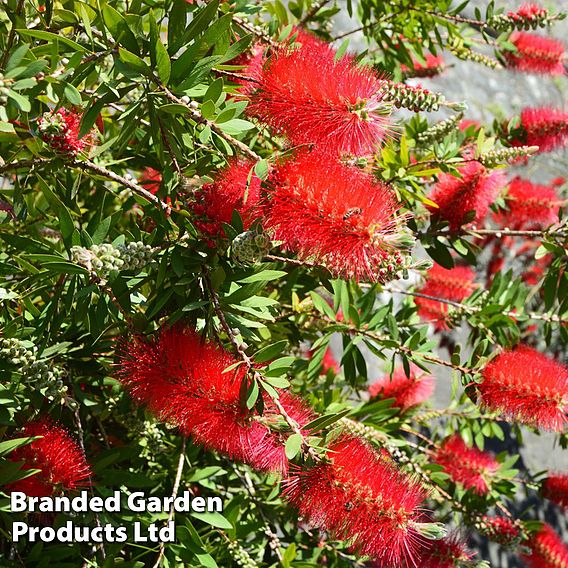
506, 155
250, 247
4, 90
439, 130
466, 54
412, 98
515, 21
240, 555
135, 255
103, 259
32, 369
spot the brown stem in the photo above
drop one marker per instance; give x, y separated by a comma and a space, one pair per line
177, 482
316, 7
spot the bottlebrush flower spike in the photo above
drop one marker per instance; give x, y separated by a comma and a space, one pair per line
502, 530
455, 284
536, 54
233, 188
555, 489
337, 216
252, 61
544, 127
60, 131
151, 180
180, 378
449, 552
312, 98
547, 550
433, 65
527, 386
530, 206
475, 191
359, 496
467, 466
56, 454
406, 391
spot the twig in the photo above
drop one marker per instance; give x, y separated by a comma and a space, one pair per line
292, 424
196, 115
255, 30
316, 7
175, 490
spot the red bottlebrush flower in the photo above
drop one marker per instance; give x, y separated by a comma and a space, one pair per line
536, 54
544, 127
406, 391
433, 65
151, 180
337, 216
312, 98
555, 489
61, 461
529, 11
475, 191
531, 206
180, 378
60, 130
467, 122
455, 284
547, 550
558, 182
359, 496
502, 530
470, 467
449, 552
527, 386
233, 188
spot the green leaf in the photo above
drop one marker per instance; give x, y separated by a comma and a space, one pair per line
263, 276
261, 169
134, 61
214, 519
270, 351
326, 420
72, 94
163, 63
10, 445
293, 445
51, 38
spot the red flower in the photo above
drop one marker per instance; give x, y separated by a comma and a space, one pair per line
455, 284
151, 180
527, 386
470, 467
555, 488
467, 122
56, 454
60, 130
502, 530
359, 496
407, 391
547, 550
449, 552
433, 65
536, 54
544, 127
474, 191
180, 378
233, 188
529, 11
312, 98
531, 206
335, 215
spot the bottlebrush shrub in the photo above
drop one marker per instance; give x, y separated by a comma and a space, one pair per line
200, 203
56, 454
